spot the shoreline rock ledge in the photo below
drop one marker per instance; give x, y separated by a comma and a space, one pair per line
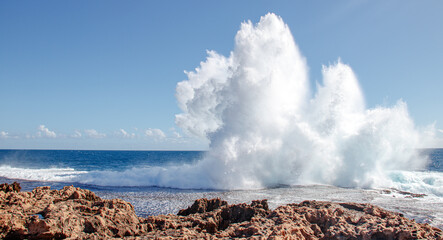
76, 213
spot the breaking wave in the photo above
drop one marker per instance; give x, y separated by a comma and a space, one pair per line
38, 174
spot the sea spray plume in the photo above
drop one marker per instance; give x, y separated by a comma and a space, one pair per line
202, 98
338, 106
335, 114
265, 71
245, 104
253, 108
360, 146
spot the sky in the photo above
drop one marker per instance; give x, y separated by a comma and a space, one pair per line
102, 74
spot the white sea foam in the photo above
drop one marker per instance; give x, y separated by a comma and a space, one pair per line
46, 174
418, 182
427, 182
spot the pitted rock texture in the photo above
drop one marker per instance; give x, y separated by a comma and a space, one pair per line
306, 220
67, 213
76, 213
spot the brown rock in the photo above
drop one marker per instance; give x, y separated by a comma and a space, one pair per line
69, 212
79, 214
203, 205
306, 220
14, 187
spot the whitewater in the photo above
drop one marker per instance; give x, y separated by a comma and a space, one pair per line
270, 136
266, 128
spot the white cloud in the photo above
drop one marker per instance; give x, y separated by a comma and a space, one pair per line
45, 132
92, 133
440, 130
125, 134
156, 133
77, 134
4, 135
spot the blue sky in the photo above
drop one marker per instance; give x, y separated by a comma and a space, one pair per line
102, 74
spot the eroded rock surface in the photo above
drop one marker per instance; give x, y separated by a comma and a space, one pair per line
70, 212
79, 214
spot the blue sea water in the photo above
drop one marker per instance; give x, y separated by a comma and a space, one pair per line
436, 157
94, 160
57, 168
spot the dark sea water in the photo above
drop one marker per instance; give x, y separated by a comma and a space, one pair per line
57, 168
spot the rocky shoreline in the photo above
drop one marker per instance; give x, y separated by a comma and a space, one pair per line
77, 213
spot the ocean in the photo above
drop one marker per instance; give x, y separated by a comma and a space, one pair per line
128, 175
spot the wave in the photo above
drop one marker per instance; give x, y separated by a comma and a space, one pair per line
423, 182
45, 174
430, 183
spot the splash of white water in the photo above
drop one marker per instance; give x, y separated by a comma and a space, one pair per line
264, 130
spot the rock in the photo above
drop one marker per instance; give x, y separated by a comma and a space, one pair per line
14, 187
203, 205
67, 213
306, 220
79, 214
